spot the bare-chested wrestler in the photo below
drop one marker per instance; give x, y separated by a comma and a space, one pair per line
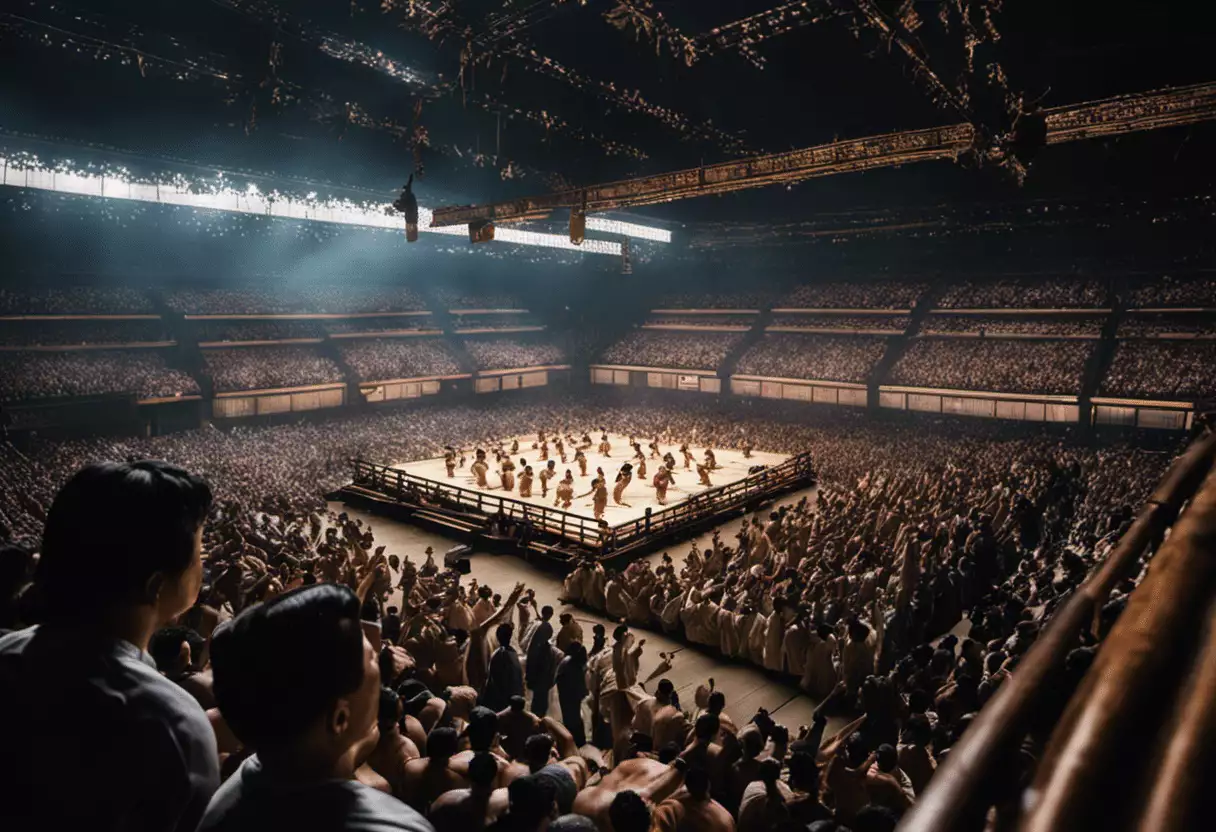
547, 473
581, 459
642, 468
599, 496
544, 451
711, 461
703, 473
565, 491
463, 459
653, 781
449, 460
748, 446
514, 447
637, 447
508, 474
525, 481
605, 446
692, 808
585, 442
429, 777
688, 457
465, 810
561, 448
654, 448
669, 461
662, 479
479, 469
623, 478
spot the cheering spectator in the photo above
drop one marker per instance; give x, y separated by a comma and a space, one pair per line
507, 353
120, 557
1003, 365
1163, 369
297, 680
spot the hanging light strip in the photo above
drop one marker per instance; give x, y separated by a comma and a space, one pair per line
628, 229
220, 196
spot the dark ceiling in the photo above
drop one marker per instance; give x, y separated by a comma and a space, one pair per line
556, 92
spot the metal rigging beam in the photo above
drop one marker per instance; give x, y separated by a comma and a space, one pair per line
1111, 116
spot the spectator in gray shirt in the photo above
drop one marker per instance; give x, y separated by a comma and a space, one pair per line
97, 739
296, 679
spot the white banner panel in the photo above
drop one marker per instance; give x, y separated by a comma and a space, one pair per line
274, 404
430, 388
620, 378
486, 385
711, 384
306, 401
537, 379
1011, 410
1161, 419
688, 382
770, 389
796, 392
825, 395
742, 387
1063, 412
852, 397
1105, 414
896, 401
920, 401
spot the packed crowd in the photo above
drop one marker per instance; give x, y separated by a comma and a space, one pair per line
26, 376
452, 298
266, 368
74, 300
999, 365
701, 320
1168, 291
341, 326
678, 350
1024, 293
822, 357
346, 687
494, 320
245, 330
1089, 326
80, 333
885, 323
1163, 369
840, 294
384, 359
725, 299
336, 299
508, 353
1200, 325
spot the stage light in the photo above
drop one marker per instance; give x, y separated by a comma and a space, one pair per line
220, 196
481, 232
578, 226
629, 229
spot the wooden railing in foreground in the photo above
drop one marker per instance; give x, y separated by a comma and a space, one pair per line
793, 472
1075, 785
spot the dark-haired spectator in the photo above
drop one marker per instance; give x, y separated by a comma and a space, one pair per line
393, 749
462, 810
506, 677
120, 557
692, 809
430, 776
175, 649
297, 680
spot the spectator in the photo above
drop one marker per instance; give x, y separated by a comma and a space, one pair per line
298, 681
383, 359
677, 350
120, 557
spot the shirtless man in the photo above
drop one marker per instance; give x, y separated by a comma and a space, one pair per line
711, 461
428, 777
514, 447
544, 450
662, 479
565, 492
449, 461
478, 806
703, 473
561, 448
650, 779
479, 469
641, 467
747, 448
393, 750
623, 478
692, 809
688, 457
581, 459
525, 481
547, 473
599, 496
654, 449
508, 475
669, 461
481, 732
605, 446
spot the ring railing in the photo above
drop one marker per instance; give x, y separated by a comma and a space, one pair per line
402, 485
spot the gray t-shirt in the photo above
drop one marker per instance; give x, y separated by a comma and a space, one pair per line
97, 738
254, 801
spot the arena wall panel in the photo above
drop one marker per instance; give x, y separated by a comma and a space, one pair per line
487, 385
742, 387
274, 404
852, 397
895, 401
711, 384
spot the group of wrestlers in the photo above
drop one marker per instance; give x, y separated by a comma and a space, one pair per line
504, 459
